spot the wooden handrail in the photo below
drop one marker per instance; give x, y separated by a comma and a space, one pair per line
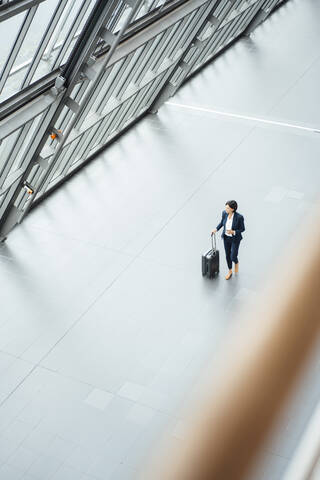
261, 361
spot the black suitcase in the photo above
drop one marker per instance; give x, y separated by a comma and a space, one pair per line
210, 260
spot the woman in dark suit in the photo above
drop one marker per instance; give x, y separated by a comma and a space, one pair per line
233, 224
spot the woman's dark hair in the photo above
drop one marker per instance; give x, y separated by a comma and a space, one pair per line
232, 204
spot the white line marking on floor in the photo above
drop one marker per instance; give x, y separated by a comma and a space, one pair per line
244, 117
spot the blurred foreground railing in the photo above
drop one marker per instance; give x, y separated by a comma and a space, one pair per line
258, 368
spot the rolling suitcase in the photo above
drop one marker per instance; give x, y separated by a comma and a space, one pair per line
210, 261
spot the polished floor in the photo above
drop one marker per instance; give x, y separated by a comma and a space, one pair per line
106, 320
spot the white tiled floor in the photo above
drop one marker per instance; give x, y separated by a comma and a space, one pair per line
106, 320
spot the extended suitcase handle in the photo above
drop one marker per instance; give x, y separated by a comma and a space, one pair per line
215, 243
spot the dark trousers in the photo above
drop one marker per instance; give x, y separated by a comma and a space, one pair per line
231, 247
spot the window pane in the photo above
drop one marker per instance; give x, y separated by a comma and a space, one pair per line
29, 46
8, 32
39, 24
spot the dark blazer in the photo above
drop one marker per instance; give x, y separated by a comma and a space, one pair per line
237, 224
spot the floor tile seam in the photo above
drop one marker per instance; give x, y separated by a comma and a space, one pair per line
271, 452
13, 273
284, 95
58, 234
78, 240
121, 252
52, 473
25, 250
20, 357
72, 378
77, 471
171, 418
91, 385
18, 386
35, 427
116, 394
20, 444
28, 448
159, 263
177, 269
36, 365
19, 469
78, 319
16, 357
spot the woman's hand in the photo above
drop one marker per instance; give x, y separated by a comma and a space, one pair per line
231, 232
214, 231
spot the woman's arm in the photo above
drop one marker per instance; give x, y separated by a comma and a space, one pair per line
221, 223
241, 227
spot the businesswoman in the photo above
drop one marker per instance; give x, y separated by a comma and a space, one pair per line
233, 225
